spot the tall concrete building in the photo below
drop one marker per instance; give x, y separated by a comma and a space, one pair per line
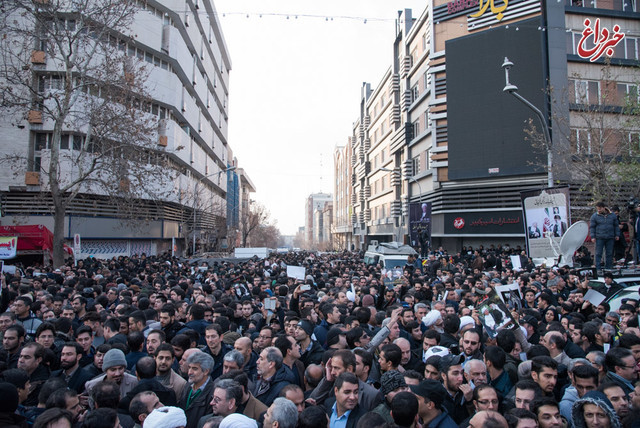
188, 67
439, 128
314, 229
342, 196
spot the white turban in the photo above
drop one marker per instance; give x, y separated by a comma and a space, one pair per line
431, 318
465, 321
166, 417
235, 420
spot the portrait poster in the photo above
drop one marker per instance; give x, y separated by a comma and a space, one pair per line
547, 216
420, 225
494, 314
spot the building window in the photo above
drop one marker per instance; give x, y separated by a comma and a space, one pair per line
415, 92
581, 141
584, 92
415, 165
628, 93
415, 125
427, 159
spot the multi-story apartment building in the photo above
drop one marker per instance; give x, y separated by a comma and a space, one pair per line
458, 141
188, 67
342, 228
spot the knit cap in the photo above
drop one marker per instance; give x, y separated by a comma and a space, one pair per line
391, 381
113, 358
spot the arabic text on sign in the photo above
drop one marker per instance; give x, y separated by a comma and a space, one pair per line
484, 4
602, 41
500, 221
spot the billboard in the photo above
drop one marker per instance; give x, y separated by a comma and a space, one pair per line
484, 223
547, 217
8, 247
485, 125
420, 226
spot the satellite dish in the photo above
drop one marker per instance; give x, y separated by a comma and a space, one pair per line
572, 239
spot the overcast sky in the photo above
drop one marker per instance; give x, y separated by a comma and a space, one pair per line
295, 88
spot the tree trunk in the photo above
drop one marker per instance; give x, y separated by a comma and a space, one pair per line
59, 213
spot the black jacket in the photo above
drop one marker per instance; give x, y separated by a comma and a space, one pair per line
37, 378
216, 371
313, 355
77, 381
354, 416
267, 392
199, 406
166, 395
171, 330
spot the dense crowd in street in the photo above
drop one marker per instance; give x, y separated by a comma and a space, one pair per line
158, 342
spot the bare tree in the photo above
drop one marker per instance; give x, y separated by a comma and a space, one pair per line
603, 130
251, 219
266, 235
68, 67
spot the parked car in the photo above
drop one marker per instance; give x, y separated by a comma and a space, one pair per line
631, 290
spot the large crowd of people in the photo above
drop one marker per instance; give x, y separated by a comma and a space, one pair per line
160, 342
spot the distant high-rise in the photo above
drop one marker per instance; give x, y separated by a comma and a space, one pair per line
314, 225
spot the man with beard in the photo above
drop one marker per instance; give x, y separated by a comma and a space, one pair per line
451, 374
199, 393
244, 346
12, 343
168, 323
165, 374
70, 369
113, 365
154, 339
30, 360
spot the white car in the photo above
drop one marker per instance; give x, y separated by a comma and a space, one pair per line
631, 288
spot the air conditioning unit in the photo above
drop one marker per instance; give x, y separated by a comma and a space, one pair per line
32, 178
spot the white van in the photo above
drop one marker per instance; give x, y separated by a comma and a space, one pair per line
390, 254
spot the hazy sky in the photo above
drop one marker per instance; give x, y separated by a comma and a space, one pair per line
295, 88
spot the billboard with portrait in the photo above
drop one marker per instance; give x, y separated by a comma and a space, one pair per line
420, 225
546, 217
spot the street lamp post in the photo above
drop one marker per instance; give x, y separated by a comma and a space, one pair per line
513, 90
195, 195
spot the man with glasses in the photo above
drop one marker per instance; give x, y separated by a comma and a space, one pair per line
265, 338
227, 396
485, 398
622, 369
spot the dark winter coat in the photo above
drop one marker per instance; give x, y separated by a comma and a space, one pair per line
199, 406
267, 392
604, 226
